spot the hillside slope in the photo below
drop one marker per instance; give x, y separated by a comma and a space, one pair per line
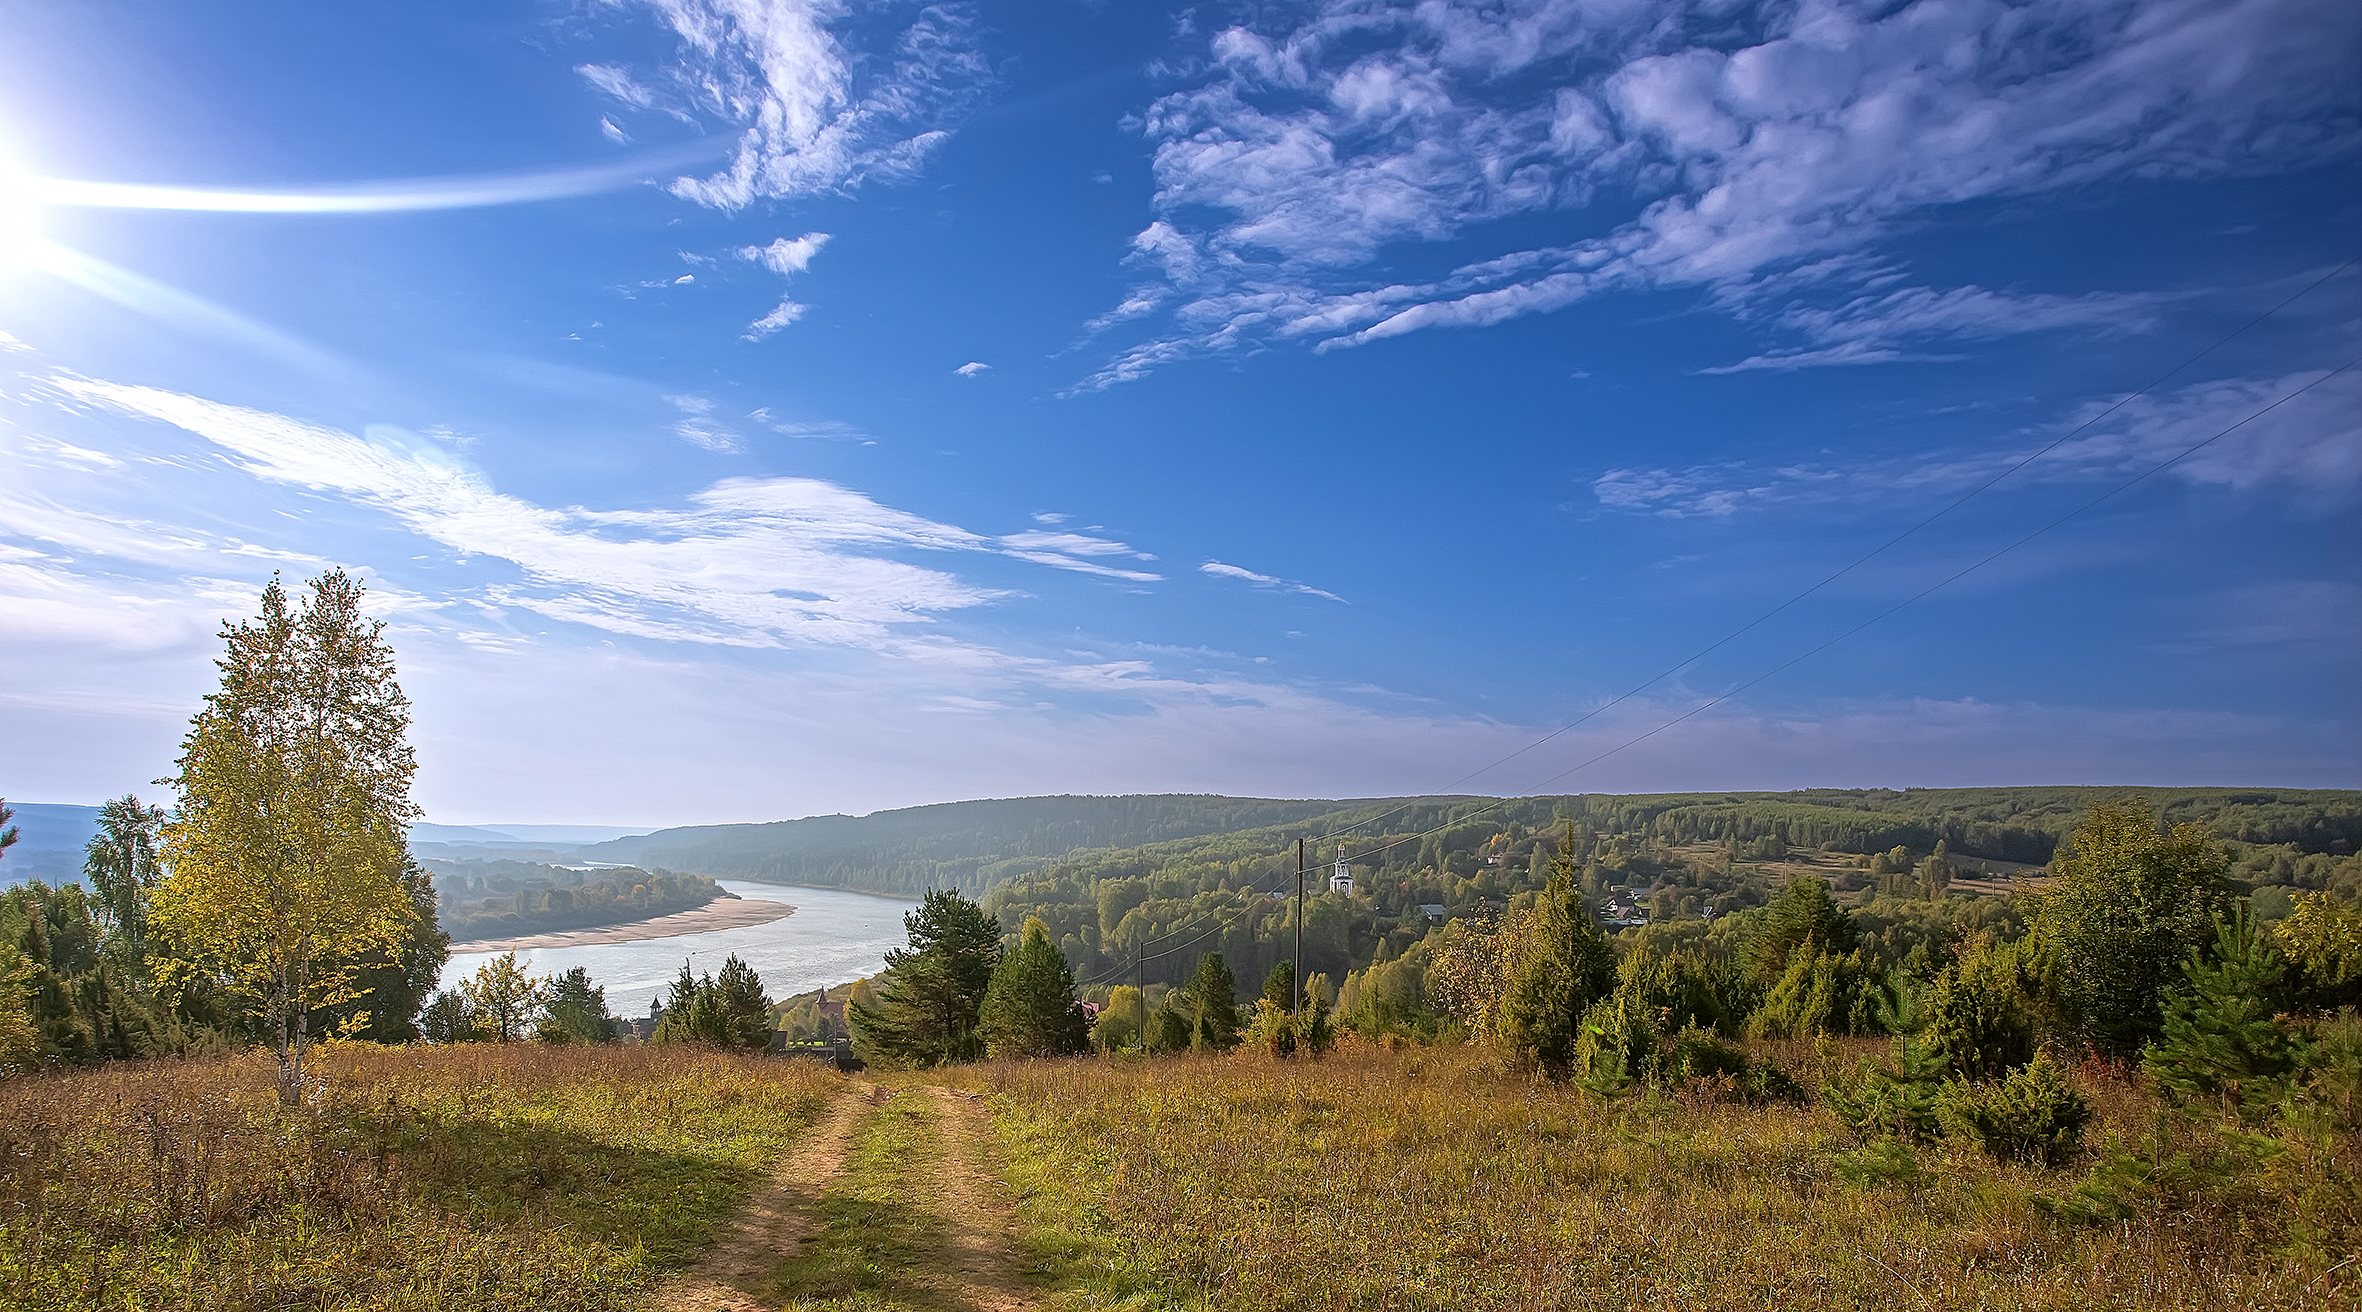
966, 845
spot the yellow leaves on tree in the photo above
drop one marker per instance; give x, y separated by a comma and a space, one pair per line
287, 856
2324, 936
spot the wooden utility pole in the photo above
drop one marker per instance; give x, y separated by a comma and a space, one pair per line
1296, 986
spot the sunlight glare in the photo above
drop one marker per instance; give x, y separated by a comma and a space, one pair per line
375, 197
20, 229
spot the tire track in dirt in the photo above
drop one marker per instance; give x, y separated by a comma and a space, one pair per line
777, 1218
981, 1271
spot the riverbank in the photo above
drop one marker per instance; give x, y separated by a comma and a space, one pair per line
729, 912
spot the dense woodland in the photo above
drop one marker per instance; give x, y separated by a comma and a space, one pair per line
968, 846
506, 899
1910, 866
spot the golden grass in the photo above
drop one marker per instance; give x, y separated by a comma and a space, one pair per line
1432, 1179
451, 1178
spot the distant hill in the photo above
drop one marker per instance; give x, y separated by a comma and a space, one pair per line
50, 837
974, 845
965, 845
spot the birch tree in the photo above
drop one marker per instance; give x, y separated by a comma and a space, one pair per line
286, 856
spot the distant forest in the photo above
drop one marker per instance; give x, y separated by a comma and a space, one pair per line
1680, 862
505, 899
972, 846
964, 845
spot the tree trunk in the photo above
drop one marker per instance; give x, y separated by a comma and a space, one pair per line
290, 1060
303, 988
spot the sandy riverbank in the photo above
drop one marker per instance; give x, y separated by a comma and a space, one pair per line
721, 913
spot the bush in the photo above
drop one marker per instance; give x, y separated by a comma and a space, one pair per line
1979, 1015
1315, 1032
2033, 1115
1821, 993
2223, 1037
2330, 1082
451, 1018
1898, 1102
1168, 1031
1614, 1048
1271, 1028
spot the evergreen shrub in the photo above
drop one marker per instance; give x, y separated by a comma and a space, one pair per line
2223, 1036
2033, 1115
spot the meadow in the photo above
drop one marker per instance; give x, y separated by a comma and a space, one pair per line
1384, 1177
467, 1177
1434, 1178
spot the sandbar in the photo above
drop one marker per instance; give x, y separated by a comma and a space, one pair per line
726, 912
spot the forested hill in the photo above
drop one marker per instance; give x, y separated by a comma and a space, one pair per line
1677, 861
975, 845
965, 845
2005, 824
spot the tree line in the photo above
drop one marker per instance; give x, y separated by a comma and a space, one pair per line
507, 899
2139, 950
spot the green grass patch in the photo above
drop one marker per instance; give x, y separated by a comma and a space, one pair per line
874, 1245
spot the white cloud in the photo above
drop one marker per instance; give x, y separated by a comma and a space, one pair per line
1317, 146
698, 428
881, 710
617, 84
972, 368
748, 562
613, 131
1050, 517
826, 429
1068, 550
1871, 329
781, 315
1222, 571
784, 256
2308, 449
813, 115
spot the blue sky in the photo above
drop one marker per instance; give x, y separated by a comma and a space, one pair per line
745, 408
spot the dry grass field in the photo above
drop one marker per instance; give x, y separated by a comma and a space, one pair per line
426, 1178
1432, 1179
530, 1177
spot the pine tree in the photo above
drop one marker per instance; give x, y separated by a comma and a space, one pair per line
1213, 1006
745, 1009
933, 991
2222, 1035
1567, 966
1279, 986
1030, 1010
1803, 918
576, 1011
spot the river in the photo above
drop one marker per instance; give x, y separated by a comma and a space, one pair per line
833, 937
